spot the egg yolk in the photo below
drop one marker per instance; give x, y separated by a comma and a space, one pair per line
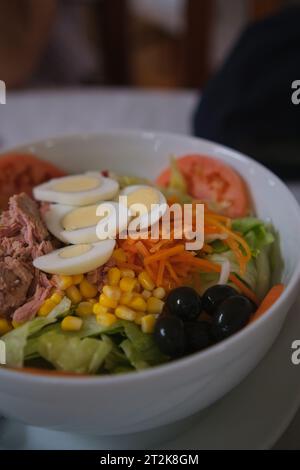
74, 251
143, 196
82, 217
77, 184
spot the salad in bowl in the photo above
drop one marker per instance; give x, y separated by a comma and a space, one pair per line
82, 293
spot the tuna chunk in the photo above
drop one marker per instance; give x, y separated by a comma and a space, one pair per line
15, 281
24, 212
99, 275
23, 237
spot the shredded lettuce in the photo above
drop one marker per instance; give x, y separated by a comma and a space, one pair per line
134, 356
177, 180
177, 187
70, 353
130, 180
140, 348
61, 309
250, 276
182, 198
256, 233
16, 340
219, 246
275, 258
90, 328
263, 283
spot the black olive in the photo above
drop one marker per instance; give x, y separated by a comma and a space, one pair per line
169, 335
231, 316
215, 295
185, 303
198, 336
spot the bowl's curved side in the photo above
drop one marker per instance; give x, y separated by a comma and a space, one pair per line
134, 402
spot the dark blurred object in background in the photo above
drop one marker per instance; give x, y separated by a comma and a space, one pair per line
139, 43
248, 104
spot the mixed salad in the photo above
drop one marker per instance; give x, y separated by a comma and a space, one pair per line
79, 298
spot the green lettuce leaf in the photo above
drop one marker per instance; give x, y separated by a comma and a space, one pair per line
182, 198
16, 340
140, 348
90, 328
219, 246
134, 356
61, 309
256, 233
177, 180
130, 180
70, 353
263, 283
250, 276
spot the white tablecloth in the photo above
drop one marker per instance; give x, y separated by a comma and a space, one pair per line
37, 115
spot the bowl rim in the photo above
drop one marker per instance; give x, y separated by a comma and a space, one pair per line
187, 361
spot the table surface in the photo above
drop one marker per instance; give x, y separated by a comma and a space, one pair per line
35, 115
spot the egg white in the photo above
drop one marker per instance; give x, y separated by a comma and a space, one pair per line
116, 221
150, 218
108, 188
98, 254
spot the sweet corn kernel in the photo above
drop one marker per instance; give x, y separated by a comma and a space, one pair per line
159, 293
125, 313
146, 294
5, 326
98, 309
46, 308
87, 289
114, 276
154, 305
93, 301
148, 323
138, 303
77, 279
106, 319
74, 294
138, 318
65, 282
112, 292
56, 298
125, 298
120, 255
107, 302
71, 323
84, 308
138, 287
128, 273
127, 284
146, 281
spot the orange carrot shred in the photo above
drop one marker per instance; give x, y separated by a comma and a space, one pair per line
271, 297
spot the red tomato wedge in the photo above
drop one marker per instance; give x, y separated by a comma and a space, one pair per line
214, 182
21, 172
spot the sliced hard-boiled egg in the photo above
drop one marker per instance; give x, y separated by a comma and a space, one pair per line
86, 224
77, 190
76, 259
146, 205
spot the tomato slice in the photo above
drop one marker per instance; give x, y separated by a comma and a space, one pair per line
21, 172
214, 182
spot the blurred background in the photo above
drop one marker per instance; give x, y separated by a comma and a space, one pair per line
137, 43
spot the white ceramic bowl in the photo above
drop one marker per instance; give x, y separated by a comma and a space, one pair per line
140, 401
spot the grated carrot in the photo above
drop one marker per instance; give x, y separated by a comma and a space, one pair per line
172, 273
244, 289
160, 273
163, 254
